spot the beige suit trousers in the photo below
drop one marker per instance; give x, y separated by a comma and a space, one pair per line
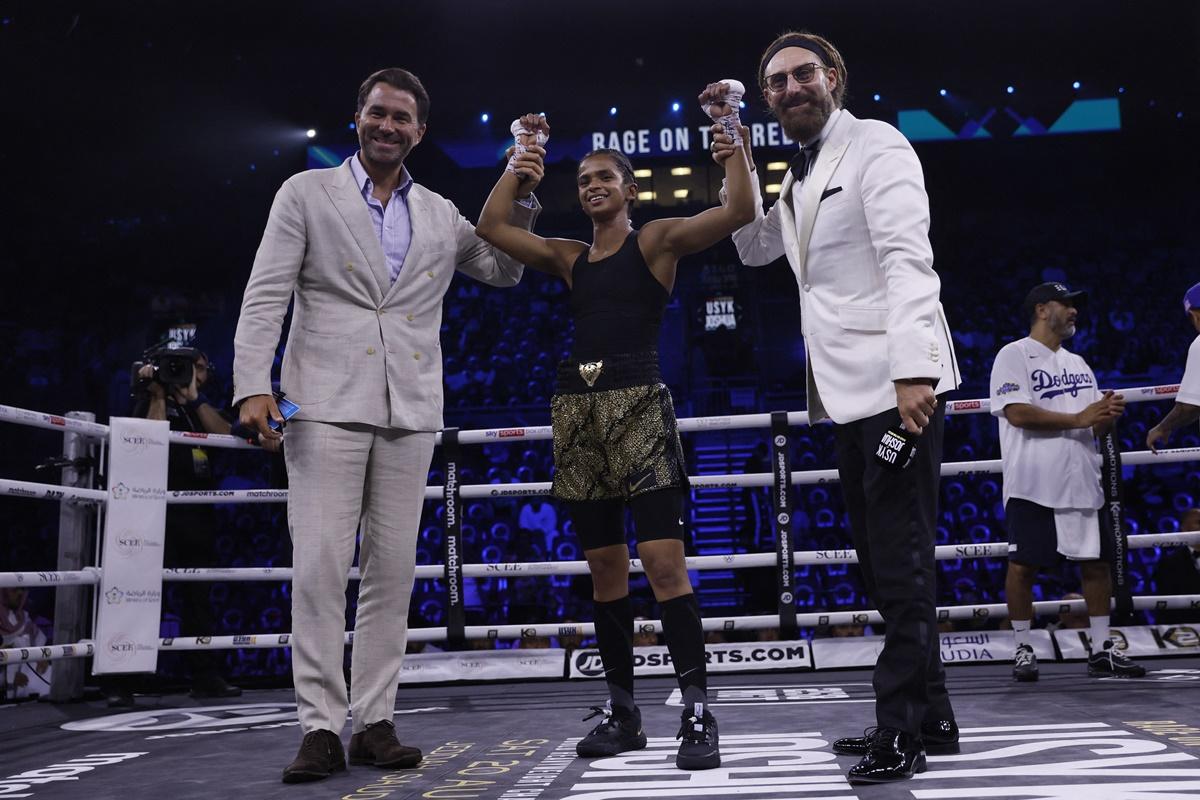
337, 475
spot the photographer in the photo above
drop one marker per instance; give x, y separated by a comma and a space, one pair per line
166, 389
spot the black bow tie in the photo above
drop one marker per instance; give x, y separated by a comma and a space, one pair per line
802, 162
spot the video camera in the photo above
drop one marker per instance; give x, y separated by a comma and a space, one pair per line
173, 366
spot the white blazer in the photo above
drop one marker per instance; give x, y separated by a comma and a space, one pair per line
859, 247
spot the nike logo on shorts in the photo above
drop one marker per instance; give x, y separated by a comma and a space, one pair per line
635, 485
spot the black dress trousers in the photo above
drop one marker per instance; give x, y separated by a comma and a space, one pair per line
893, 517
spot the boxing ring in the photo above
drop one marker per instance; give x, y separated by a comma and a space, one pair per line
1145, 728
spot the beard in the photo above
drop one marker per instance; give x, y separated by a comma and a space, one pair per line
805, 120
380, 153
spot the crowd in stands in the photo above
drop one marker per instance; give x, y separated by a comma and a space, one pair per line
501, 349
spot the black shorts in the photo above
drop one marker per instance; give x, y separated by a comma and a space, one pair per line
615, 435
1033, 537
601, 523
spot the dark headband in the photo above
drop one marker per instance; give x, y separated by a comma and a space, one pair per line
798, 40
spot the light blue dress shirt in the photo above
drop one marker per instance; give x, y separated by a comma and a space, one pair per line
393, 225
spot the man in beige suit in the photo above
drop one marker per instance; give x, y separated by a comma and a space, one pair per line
366, 255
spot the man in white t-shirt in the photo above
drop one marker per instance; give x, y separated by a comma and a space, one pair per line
1187, 402
1050, 412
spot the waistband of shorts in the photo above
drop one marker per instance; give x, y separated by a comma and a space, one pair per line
616, 371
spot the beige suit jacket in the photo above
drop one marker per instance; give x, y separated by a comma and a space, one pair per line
360, 350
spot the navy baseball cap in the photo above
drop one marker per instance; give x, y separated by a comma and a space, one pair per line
1191, 299
1053, 290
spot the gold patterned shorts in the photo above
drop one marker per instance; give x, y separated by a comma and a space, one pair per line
614, 443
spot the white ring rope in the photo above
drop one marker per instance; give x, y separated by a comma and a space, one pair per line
91, 575
1138, 394
50, 491
953, 469
37, 419
53, 422
945, 552
84, 648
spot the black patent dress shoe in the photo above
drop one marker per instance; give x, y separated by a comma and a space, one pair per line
940, 737
893, 755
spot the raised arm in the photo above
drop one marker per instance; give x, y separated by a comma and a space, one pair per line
552, 256
682, 236
760, 241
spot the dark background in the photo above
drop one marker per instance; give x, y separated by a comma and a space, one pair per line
142, 144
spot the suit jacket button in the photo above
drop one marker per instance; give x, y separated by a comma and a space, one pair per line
381, 312
350, 267
416, 356
370, 351
410, 317
808, 287
429, 273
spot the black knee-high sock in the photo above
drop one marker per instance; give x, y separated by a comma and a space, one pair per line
614, 636
685, 641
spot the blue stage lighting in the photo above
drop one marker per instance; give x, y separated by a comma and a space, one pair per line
1010, 90
612, 111
484, 117
675, 106
876, 98
942, 92
1075, 85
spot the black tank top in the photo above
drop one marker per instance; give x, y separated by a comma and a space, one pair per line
617, 303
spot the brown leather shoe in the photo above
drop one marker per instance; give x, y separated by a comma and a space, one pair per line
379, 747
320, 756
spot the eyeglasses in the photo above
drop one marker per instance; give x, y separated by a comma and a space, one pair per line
805, 73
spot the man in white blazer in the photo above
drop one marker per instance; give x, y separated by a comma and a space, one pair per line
366, 256
853, 220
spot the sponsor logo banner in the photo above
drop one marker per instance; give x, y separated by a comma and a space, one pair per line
131, 584
1135, 641
19, 785
760, 766
1064, 759
734, 657
486, 665
957, 648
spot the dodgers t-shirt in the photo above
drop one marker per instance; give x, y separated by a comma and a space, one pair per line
1056, 469
1189, 387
